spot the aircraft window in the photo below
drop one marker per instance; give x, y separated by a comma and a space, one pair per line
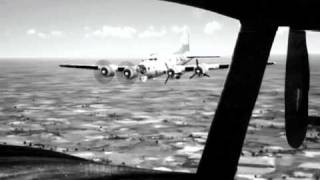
56, 93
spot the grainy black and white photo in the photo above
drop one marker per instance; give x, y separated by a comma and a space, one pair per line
160, 89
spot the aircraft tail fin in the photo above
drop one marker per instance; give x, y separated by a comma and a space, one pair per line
185, 46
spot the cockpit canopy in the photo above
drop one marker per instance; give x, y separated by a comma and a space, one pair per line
153, 57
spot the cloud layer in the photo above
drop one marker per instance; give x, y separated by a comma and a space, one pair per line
129, 32
113, 31
212, 27
151, 32
43, 35
180, 29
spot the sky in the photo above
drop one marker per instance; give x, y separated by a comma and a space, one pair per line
117, 28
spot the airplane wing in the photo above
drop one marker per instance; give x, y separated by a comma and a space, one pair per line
209, 67
190, 58
92, 67
39, 163
197, 69
105, 71
78, 66
202, 69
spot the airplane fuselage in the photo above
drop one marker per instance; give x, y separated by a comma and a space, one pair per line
156, 66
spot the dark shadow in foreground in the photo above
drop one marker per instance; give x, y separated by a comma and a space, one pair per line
19, 162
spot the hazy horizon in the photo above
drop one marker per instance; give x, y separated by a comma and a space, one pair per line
226, 57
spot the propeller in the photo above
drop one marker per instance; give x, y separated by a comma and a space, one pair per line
297, 84
129, 74
105, 73
170, 73
198, 71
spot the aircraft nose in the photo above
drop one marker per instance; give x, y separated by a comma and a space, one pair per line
142, 69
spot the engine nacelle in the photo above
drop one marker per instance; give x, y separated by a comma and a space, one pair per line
175, 71
171, 73
106, 71
130, 73
201, 69
177, 76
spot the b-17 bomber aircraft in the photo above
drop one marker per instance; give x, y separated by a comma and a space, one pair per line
173, 66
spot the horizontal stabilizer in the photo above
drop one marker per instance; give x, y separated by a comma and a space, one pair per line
192, 57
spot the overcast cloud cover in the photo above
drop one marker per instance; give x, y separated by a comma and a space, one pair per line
116, 28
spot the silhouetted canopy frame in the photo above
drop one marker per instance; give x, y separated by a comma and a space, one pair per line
260, 20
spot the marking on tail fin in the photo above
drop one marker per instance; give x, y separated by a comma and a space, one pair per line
183, 49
